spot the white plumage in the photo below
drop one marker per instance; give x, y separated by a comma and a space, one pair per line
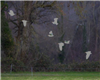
88, 53
60, 45
11, 13
67, 42
50, 34
55, 21
24, 22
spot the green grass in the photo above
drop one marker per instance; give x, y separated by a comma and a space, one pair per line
51, 76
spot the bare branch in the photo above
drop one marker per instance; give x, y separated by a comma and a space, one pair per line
13, 22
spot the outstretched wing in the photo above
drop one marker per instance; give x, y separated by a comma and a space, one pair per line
88, 53
50, 32
55, 19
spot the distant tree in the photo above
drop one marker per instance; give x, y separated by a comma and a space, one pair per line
87, 12
6, 37
84, 39
35, 12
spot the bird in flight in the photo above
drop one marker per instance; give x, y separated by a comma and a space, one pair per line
24, 22
88, 53
11, 13
67, 42
50, 34
61, 44
55, 21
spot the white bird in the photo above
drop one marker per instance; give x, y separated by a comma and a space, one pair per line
11, 13
88, 53
55, 21
67, 42
24, 22
61, 44
50, 34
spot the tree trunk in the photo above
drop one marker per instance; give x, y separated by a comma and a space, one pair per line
96, 41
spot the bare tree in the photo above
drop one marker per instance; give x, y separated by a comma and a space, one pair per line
33, 12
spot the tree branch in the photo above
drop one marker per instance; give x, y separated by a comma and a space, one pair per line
3, 8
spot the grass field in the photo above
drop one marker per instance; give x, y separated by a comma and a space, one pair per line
51, 76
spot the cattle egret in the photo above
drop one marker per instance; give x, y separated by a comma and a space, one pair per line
55, 21
24, 22
60, 45
88, 53
66, 42
50, 34
11, 13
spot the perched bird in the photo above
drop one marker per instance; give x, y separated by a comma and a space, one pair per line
61, 44
66, 42
55, 21
50, 34
88, 53
11, 13
24, 22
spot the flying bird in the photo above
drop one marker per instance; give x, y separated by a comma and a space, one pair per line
61, 44
55, 21
24, 22
11, 13
88, 53
50, 34
67, 42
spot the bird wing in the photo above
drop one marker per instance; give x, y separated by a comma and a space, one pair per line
55, 19
88, 55
50, 35
50, 32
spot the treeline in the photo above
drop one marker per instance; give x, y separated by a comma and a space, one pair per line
30, 46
